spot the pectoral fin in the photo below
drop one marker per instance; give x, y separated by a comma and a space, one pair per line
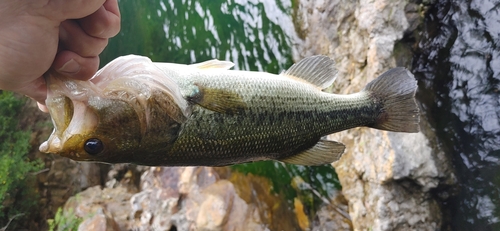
324, 152
218, 100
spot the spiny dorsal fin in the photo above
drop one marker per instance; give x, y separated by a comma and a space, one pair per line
324, 152
218, 100
214, 64
318, 70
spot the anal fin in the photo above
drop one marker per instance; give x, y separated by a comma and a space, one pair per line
324, 152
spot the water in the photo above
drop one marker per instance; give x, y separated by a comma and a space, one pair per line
256, 35
459, 71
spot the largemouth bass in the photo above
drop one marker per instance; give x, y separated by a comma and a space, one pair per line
164, 114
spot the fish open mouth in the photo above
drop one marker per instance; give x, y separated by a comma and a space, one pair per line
67, 102
80, 108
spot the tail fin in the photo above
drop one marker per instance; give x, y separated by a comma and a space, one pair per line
395, 90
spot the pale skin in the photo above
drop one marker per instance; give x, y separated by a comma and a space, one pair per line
65, 35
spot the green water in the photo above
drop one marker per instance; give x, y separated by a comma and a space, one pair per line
252, 34
256, 35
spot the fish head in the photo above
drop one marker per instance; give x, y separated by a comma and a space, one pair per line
117, 119
88, 126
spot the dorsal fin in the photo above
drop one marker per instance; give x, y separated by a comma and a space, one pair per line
318, 70
214, 63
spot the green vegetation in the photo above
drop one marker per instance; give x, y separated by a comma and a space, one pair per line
312, 185
17, 195
64, 221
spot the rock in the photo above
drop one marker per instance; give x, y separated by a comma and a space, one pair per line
101, 208
268, 208
66, 178
386, 177
360, 36
302, 218
216, 206
190, 198
158, 201
333, 216
99, 222
183, 198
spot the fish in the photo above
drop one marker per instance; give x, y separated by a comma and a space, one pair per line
164, 114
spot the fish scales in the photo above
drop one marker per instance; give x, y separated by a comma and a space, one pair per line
164, 114
283, 117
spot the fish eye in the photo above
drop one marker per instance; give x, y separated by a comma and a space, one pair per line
93, 146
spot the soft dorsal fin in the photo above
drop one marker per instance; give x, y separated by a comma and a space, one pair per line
318, 70
214, 64
324, 152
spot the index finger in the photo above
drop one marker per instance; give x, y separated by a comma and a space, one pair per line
104, 23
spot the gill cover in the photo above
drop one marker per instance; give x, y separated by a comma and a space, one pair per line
114, 111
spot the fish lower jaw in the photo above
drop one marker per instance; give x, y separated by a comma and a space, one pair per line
52, 145
44, 147
55, 148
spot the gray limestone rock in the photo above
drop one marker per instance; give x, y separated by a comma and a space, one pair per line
386, 177
183, 198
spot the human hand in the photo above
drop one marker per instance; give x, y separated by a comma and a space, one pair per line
66, 35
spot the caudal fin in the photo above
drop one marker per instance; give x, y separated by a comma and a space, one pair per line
395, 90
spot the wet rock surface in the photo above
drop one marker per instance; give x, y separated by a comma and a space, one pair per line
386, 177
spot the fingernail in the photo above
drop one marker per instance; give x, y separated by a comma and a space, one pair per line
70, 67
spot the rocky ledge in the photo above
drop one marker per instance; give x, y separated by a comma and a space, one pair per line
387, 178
194, 198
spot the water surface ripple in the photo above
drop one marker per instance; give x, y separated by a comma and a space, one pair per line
458, 66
